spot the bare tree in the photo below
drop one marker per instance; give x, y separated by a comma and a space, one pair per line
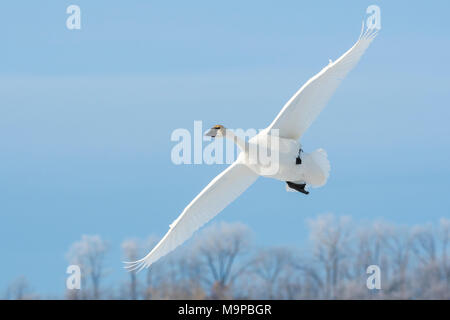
424, 244
218, 247
154, 274
131, 252
398, 242
414, 263
330, 237
19, 289
89, 253
432, 282
444, 226
269, 265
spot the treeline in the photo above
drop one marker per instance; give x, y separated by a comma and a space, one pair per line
221, 262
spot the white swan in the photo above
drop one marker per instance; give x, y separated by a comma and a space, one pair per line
296, 168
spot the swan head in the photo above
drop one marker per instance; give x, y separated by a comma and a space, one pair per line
216, 131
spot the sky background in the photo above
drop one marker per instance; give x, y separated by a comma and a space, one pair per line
86, 117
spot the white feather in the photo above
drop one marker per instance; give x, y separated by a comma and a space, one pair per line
303, 108
220, 192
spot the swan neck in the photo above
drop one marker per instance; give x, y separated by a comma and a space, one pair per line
241, 143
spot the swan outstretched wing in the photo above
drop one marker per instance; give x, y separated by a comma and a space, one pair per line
303, 108
219, 193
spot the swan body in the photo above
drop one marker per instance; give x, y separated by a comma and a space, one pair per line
313, 171
280, 140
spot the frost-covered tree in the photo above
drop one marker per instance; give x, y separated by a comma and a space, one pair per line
218, 248
330, 236
131, 251
19, 289
89, 253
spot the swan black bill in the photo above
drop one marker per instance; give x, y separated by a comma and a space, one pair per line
212, 132
298, 187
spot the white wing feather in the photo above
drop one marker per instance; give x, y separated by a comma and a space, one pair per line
218, 194
303, 108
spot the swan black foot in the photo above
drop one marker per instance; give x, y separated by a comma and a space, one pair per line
298, 160
298, 187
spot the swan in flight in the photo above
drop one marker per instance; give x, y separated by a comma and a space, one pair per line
281, 138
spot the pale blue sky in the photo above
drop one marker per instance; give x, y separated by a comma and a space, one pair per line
86, 118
